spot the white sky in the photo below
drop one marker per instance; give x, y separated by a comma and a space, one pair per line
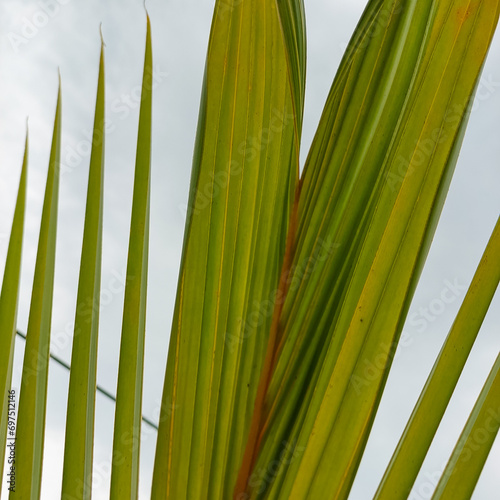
68, 38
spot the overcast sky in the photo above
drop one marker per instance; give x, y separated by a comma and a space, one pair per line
37, 37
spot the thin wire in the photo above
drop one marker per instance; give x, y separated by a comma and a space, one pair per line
100, 389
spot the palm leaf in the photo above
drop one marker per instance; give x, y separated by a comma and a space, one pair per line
469, 456
77, 470
293, 290
373, 187
244, 181
128, 416
9, 298
33, 396
424, 421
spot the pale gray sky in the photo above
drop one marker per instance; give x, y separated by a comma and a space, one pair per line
37, 37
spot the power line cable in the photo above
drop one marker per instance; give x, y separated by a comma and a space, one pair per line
99, 388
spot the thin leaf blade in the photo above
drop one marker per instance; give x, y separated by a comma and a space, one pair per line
429, 410
9, 299
243, 185
373, 189
33, 395
79, 442
128, 414
466, 463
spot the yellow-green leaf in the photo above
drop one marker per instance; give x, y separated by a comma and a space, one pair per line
243, 184
372, 190
128, 415
8, 310
462, 472
429, 410
79, 443
32, 402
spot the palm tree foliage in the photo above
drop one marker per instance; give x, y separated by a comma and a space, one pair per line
289, 283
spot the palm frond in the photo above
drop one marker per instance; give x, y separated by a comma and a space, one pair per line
78, 450
33, 396
9, 299
128, 415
